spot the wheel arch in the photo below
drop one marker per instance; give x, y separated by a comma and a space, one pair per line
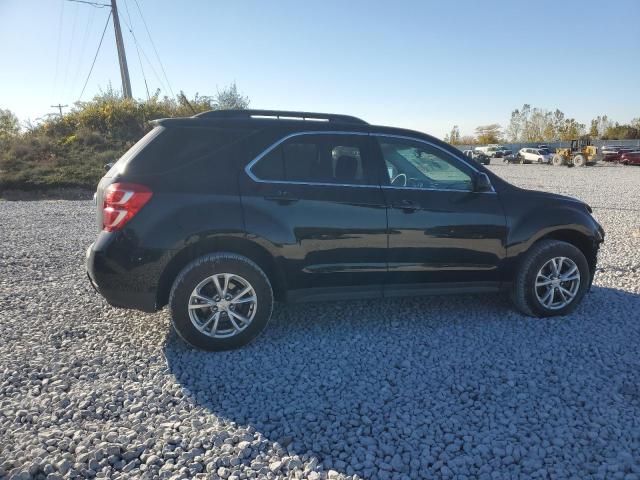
238, 245
578, 239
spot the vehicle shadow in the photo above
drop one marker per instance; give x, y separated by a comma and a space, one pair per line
355, 383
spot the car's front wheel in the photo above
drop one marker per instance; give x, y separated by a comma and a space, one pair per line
220, 301
552, 279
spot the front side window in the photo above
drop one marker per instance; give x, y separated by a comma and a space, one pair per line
417, 165
317, 158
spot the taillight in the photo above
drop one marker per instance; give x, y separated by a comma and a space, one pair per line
121, 202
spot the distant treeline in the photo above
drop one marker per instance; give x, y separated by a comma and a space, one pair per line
529, 124
71, 150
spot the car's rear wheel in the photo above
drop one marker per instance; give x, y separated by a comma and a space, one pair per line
552, 279
220, 301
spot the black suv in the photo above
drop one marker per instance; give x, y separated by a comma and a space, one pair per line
219, 214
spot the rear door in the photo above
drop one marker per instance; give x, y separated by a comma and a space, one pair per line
442, 233
313, 201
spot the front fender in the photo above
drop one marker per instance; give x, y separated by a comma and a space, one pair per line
528, 222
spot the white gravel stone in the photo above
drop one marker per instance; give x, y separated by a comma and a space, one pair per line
450, 387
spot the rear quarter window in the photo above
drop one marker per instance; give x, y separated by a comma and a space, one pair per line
168, 148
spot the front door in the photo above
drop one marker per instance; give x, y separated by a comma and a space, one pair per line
442, 233
314, 201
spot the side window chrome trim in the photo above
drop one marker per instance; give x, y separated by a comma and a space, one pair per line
275, 145
426, 142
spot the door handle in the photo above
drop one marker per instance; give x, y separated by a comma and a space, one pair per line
406, 205
281, 196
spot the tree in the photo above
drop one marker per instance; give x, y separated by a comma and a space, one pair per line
621, 132
534, 124
9, 125
599, 126
571, 129
489, 133
468, 140
454, 136
514, 129
230, 99
558, 122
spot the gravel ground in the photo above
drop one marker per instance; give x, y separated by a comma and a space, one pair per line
451, 387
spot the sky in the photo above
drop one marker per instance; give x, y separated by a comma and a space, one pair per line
421, 64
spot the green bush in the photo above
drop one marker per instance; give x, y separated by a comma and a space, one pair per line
71, 150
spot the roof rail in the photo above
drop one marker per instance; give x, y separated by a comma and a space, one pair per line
280, 115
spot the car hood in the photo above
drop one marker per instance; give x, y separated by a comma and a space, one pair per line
555, 197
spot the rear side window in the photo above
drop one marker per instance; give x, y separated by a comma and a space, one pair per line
171, 147
340, 159
124, 160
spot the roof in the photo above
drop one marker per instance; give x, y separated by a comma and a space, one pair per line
280, 115
292, 119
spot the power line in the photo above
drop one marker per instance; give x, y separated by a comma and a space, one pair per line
93, 4
59, 107
55, 77
122, 56
83, 47
154, 47
129, 26
155, 73
96, 55
71, 43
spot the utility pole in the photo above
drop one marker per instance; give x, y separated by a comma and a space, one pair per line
122, 57
59, 107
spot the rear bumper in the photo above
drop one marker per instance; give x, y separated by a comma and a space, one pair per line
120, 285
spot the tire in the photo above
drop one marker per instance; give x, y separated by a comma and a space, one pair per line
525, 295
579, 161
557, 160
199, 273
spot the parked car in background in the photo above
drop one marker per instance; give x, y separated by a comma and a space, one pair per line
221, 214
630, 158
610, 148
493, 151
511, 158
477, 156
615, 156
535, 155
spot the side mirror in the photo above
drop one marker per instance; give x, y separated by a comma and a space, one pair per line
482, 183
107, 166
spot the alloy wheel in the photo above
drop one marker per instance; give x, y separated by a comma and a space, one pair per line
557, 283
222, 305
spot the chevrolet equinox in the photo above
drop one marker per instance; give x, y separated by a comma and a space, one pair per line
221, 214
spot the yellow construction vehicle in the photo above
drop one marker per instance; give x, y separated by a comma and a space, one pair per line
579, 154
